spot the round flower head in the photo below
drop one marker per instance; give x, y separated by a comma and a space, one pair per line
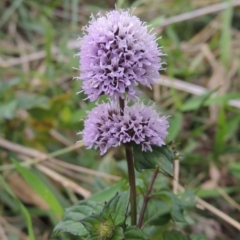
105, 127
117, 53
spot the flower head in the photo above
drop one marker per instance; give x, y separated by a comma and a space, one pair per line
117, 53
105, 127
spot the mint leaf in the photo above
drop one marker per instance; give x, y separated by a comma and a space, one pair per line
116, 208
118, 234
161, 157
175, 205
108, 224
92, 223
73, 215
160, 219
188, 199
134, 233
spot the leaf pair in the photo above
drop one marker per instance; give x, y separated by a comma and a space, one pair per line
93, 220
160, 157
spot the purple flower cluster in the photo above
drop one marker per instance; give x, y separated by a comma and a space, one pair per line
105, 127
117, 53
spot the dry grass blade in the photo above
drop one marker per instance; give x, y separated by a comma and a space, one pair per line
199, 12
38, 157
11, 229
34, 56
63, 180
176, 176
203, 204
189, 87
3, 236
85, 170
229, 199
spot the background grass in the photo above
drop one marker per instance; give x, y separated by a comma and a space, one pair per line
40, 111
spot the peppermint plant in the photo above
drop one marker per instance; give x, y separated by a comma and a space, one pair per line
117, 54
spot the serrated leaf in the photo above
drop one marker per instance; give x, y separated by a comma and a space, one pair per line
134, 233
106, 225
174, 235
69, 226
118, 234
161, 157
188, 199
92, 223
73, 215
175, 205
157, 208
116, 208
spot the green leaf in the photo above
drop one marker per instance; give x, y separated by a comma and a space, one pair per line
161, 157
220, 135
175, 123
175, 205
174, 235
206, 193
73, 215
8, 110
197, 237
92, 238
40, 188
106, 224
94, 222
6, 85
116, 208
155, 211
22, 209
118, 234
134, 233
226, 36
188, 198
28, 101
160, 219
196, 102
107, 193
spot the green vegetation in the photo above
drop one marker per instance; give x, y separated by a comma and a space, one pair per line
44, 172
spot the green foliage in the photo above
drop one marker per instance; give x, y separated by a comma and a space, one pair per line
95, 220
174, 235
173, 203
197, 237
70, 222
134, 233
175, 125
40, 188
37, 95
110, 222
159, 157
108, 192
23, 210
188, 199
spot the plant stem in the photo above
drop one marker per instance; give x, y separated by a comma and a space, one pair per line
131, 179
131, 173
147, 197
